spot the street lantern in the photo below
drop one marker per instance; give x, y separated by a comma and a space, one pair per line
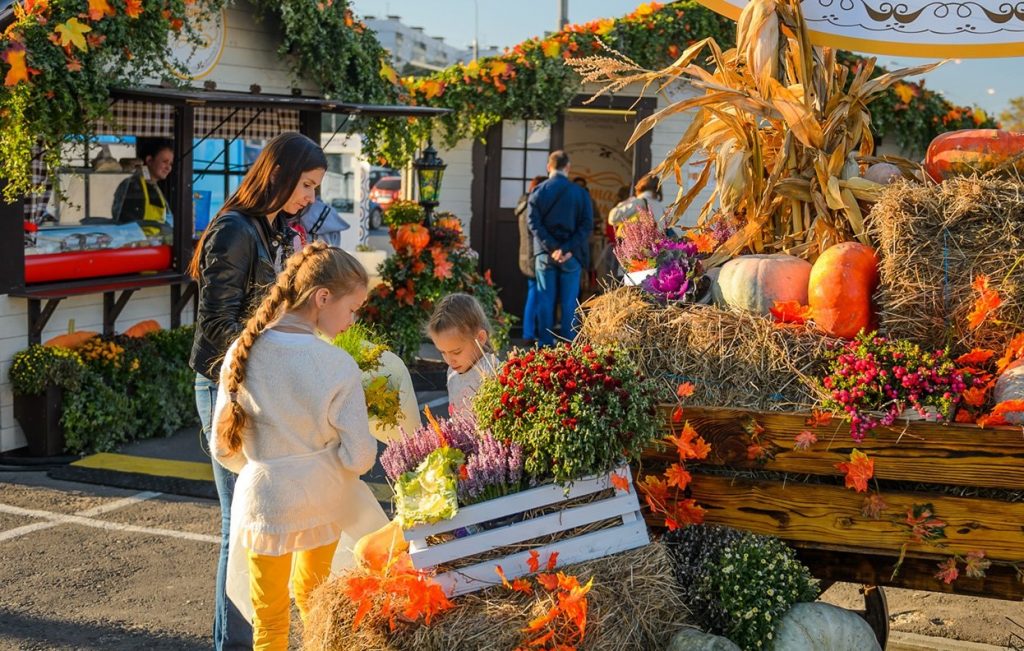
429, 171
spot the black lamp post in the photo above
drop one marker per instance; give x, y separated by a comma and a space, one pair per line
429, 171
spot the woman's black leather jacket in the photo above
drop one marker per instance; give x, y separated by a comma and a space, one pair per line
236, 269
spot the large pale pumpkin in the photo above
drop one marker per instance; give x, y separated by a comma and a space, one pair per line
823, 627
839, 292
754, 283
959, 153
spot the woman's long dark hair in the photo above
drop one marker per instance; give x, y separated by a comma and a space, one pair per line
269, 183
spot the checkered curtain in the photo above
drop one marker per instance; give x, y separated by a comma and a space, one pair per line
148, 120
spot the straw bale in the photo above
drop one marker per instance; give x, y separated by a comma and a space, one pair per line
932, 242
634, 604
733, 358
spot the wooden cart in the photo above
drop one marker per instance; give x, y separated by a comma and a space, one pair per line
972, 477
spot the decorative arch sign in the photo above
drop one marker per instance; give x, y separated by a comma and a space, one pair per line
199, 59
919, 28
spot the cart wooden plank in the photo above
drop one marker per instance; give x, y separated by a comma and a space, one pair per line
916, 451
821, 515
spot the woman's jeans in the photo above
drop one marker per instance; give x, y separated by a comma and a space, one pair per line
530, 310
557, 283
231, 630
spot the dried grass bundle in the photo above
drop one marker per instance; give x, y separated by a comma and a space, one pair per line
634, 604
933, 241
735, 359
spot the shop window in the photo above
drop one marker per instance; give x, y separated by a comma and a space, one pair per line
525, 146
338, 188
218, 168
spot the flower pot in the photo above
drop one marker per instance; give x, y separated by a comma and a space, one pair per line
634, 278
39, 417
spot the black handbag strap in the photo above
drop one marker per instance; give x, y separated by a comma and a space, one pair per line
315, 228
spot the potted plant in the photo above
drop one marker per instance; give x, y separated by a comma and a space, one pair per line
678, 274
39, 376
875, 381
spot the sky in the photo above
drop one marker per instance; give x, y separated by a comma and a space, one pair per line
988, 83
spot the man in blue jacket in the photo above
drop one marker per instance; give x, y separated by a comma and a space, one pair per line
561, 219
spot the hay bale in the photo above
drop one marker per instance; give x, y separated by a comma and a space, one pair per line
634, 604
733, 358
933, 241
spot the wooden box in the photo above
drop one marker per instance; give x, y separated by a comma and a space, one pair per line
629, 533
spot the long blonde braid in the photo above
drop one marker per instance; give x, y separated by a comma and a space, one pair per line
317, 265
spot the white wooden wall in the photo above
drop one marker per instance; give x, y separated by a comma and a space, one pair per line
456, 187
87, 311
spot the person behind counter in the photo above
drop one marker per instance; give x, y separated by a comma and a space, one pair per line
139, 198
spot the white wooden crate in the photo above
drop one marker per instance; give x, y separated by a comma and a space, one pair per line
630, 534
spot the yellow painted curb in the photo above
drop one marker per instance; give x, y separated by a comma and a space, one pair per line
147, 466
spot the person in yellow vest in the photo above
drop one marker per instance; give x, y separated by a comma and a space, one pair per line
139, 198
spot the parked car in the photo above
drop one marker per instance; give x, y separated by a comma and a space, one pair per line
383, 193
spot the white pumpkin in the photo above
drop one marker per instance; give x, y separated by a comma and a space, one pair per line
1010, 386
691, 639
824, 627
754, 283
884, 173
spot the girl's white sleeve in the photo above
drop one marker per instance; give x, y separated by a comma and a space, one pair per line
347, 414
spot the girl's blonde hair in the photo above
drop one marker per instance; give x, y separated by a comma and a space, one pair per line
463, 313
314, 267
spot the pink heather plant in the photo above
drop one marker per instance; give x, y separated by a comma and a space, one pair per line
635, 246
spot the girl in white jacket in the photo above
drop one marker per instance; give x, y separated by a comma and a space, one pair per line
291, 420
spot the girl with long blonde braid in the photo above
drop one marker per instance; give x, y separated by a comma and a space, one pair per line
291, 420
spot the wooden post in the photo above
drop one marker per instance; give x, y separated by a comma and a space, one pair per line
12, 244
184, 132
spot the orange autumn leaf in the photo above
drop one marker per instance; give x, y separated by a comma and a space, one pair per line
1008, 407
15, 57
522, 585
964, 416
655, 488
548, 581
685, 390
533, 563
689, 444
859, 469
545, 638
620, 483
133, 8
684, 512
501, 573
677, 415
986, 303
819, 418
100, 8
790, 312
676, 475
975, 396
74, 65
704, 241
442, 266
552, 561
756, 452
976, 357
1014, 351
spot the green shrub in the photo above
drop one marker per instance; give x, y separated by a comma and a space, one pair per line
738, 584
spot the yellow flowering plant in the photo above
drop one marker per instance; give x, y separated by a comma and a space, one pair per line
382, 395
39, 367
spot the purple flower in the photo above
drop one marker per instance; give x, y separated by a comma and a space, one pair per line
495, 469
675, 248
637, 240
671, 282
405, 454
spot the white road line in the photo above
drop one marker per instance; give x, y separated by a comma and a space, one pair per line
82, 518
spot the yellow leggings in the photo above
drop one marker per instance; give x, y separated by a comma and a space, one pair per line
268, 588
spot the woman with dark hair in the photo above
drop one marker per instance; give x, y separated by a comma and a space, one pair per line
236, 260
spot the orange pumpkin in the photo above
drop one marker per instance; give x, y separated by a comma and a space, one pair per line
71, 340
840, 287
374, 550
410, 238
958, 153
142, 328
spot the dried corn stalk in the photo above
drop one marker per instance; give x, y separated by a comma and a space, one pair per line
779, 125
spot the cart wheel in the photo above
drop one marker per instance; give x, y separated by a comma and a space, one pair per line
876, 612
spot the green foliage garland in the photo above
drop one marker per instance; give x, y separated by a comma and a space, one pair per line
60, 60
